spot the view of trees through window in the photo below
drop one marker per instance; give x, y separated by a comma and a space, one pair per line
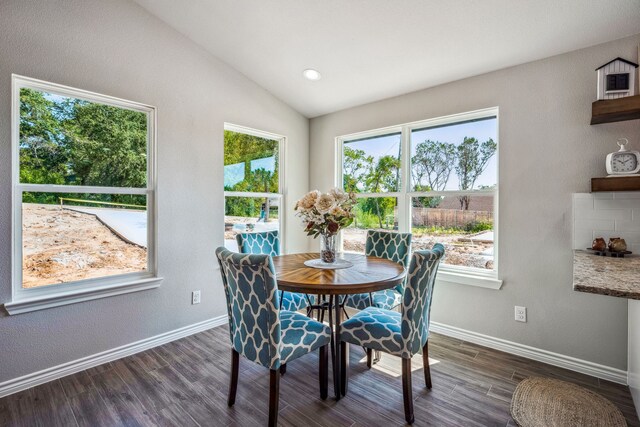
251, 184
371, 166
452, 183
79, 234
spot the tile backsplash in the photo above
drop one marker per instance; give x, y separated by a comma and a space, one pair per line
615, 214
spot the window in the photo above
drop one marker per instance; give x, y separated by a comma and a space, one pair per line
84, 193
252, 183
371, 168
437, 179
617, 82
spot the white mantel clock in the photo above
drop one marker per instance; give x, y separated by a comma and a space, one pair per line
623, 162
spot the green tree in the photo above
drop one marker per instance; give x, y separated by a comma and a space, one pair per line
240, 148
70, 141
425, 202
354, 167
43, 155
382, 176
431, 168
244, 148
432, 164
107, 145
472, 158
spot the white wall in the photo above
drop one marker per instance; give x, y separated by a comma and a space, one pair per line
606, 215
116, 48
547, 152
634, 352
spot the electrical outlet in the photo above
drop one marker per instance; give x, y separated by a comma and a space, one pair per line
195, 297
521, 314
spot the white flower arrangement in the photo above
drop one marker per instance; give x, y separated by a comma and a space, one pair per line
326, 213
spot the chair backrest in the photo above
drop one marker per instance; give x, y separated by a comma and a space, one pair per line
265, 243
389, 245
416, 303
251, 290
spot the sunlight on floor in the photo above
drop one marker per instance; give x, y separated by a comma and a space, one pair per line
392, 365
388, 364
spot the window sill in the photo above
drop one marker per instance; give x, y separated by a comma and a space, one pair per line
27, 305
460, 278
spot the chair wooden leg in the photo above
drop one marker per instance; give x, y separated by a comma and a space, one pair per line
425, 364
330, 316
369, 357
283, 369
407, 393
345, 367
324, 372
233, 384
274, 396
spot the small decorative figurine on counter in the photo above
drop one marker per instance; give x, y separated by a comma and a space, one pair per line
599, 244
616, 244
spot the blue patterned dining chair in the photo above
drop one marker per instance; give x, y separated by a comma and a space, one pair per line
260, 331
268, 243
388, 245
400, 334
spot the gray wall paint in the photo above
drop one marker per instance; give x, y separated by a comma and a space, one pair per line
115, 47
547, 151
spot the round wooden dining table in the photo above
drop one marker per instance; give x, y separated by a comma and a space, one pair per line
367, 274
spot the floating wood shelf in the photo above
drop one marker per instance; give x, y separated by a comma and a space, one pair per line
615, 110
621, 183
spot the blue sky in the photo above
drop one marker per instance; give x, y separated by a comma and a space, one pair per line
53, 97
234, 174
481, 130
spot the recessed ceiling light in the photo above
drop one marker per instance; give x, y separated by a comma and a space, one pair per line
311, 74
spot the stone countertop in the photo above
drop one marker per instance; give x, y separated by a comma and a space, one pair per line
616, 277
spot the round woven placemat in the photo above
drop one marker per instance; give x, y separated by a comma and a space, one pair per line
546, 402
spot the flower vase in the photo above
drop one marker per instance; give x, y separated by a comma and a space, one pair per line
328, 248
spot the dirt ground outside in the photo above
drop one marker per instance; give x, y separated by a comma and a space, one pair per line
460, 249
62, 246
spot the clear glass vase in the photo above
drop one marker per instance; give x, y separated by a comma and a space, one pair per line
328, 248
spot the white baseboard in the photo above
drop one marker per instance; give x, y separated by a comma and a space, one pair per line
31, 380
583, 366
578, 365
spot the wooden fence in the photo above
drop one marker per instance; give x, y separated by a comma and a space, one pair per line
447, 218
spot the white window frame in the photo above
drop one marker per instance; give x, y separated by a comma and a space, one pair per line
53, 295
281, 194
446, 273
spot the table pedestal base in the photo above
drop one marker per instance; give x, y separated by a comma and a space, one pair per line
327, 304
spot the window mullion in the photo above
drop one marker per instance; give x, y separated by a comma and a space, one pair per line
452, 193
81, 189
339, 182
380, 195
252, 195
404, 202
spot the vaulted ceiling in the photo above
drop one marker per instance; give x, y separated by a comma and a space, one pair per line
367, 50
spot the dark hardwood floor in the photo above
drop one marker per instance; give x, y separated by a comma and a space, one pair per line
184, 383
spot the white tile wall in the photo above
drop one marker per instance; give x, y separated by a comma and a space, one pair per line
614, 214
